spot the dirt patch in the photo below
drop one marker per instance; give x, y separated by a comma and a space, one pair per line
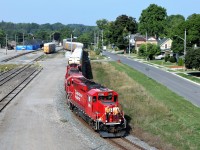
176, 67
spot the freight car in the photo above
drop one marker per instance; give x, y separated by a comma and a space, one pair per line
96, 104
76, 56
71, 46
49, 48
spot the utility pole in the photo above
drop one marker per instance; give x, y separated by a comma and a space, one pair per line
94, 40
97, 40
129, 46
15, 43
23, 39
102, 39
71, 42
184, 40
185, 44
6, 43
146, 41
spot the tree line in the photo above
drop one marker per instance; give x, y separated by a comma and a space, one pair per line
153, 21
45, 32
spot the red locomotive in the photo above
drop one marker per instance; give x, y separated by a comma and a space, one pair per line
95, 103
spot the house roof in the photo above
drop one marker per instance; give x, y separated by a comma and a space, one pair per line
139, 38
160, 42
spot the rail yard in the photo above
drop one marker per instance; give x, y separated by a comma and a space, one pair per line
33, 106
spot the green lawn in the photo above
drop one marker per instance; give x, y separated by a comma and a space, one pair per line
172, 122
192, 78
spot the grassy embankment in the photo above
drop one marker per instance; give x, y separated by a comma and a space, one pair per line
157, 115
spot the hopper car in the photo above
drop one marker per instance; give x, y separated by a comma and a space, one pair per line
94, 103
49, 48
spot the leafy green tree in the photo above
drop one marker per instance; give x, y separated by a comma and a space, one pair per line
172, 23
192, 59
149, 50
2, 38
153, 20
192, 27
142, 50
57, 35
102, 24
120, 28
86, 39
65, 33
193, 30
43, 35
178, 38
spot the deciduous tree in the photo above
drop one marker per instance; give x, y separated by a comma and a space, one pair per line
153, 20
192, 59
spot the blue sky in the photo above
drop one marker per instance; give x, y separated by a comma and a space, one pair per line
86, 12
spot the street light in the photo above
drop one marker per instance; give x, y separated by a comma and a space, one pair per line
184, 44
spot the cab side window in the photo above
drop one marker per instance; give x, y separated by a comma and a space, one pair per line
94, 99
68, 83
115, 98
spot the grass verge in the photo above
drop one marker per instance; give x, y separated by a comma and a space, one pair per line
157, 115
6, 67
195, 79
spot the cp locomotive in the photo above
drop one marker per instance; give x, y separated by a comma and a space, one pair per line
96, 104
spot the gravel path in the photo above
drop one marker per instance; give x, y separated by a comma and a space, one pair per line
39, 119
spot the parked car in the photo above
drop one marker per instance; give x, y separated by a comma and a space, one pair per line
159, 57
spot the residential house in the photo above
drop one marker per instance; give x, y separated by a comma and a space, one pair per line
165, 45
139, 40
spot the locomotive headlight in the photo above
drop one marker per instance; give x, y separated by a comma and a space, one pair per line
120, 120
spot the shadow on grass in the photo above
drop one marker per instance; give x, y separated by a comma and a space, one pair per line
128, 127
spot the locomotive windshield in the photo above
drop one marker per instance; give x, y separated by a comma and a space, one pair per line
109, 97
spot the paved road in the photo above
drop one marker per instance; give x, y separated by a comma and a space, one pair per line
185, 88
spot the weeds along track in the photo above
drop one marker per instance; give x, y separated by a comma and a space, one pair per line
11, 86
5, 77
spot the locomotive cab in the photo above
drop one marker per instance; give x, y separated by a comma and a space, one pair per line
107, 113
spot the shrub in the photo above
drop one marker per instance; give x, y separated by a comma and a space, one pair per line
172, 59
97, 52
166, 58
180, 62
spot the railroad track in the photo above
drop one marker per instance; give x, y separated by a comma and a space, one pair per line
10, 88
13, 57
120, 143
124, 144
11, 74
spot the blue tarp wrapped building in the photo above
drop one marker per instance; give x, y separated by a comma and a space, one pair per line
30, 45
